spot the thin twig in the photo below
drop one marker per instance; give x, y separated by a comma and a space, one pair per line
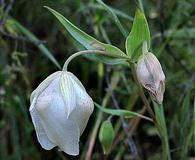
6, 12
21, 38
130, 140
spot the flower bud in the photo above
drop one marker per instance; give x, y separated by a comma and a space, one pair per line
150, 75
60, 109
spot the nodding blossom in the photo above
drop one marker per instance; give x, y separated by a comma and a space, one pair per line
150, 75
60, 109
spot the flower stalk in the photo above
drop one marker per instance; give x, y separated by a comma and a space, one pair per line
90, 52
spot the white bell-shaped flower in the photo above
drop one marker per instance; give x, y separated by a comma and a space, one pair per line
60, 109
150, 75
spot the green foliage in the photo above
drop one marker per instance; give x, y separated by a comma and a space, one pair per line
89, 42
23, 65
139, 33
106, 136
121, 112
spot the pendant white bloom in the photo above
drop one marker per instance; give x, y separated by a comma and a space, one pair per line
150, 75
60, 109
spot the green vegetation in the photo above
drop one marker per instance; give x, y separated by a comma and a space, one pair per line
35, 41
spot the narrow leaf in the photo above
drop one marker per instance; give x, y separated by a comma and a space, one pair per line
87, 41
139, 33
121, 112
162, 129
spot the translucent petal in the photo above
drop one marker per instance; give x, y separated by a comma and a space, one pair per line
76, 80
43, 85
84, 104
61, 112
40, 132
83, 110
60, 130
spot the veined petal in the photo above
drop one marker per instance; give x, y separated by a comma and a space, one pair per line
155, 67
60, 130
67, 92
40, 132
144, 74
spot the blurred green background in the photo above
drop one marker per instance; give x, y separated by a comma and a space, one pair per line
29, 35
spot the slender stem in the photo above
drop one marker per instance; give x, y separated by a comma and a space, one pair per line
6, 12
141, 5
21, 38
91, 52
144, 47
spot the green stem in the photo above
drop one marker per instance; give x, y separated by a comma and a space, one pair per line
141, 5
159, 122
162, 129
90, 52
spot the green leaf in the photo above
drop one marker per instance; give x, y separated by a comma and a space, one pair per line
139, 33
89, 42
162, 129
106, 136
121, 112
36, 41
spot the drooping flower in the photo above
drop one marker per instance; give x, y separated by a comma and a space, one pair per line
60, 109
151, 76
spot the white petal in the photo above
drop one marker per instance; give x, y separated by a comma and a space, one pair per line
60, 130
155, 67
43, 85
40, 132
76, 80
81, 115
84, 105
